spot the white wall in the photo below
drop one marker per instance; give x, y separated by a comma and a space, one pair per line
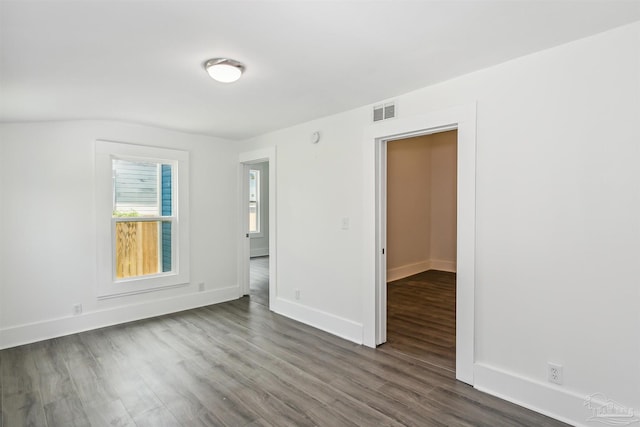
3, 255
558, 235
48, 245
557, 244
442, 250
409, 183
319, 185
259, 244
421, 204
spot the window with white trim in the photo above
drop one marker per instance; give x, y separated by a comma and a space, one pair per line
254, 201
142, 218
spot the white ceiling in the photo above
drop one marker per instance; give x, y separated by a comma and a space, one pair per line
141, 61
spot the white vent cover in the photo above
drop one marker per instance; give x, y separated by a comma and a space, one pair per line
378, 113
384, 111
389, 110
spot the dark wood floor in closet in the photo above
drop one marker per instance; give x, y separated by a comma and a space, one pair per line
235, 364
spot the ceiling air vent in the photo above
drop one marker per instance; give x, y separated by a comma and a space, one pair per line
383, 112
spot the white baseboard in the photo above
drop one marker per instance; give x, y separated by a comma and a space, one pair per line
545, 398
258, 252
407, 270
38, 331
327, 322
442, 265
418, 267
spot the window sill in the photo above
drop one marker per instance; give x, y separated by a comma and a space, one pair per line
139, 291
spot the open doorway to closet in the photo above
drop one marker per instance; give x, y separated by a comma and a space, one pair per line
421, 247
376, 139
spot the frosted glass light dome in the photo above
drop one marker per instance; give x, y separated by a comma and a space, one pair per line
224, 70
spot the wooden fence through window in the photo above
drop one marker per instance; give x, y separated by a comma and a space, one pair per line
137, 248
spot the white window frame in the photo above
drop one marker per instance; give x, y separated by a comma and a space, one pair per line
108, 285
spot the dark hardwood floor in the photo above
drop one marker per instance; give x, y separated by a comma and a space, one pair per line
421, 317
259, 280
234, 364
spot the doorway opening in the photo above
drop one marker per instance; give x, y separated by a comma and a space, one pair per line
259, 280
421, 247
257, 226
463, 119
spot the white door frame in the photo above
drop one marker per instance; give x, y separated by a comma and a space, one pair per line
374, 267
245, 160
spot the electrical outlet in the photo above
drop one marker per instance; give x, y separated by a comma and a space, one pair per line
554, 373
297, 293
201, 287
77, 309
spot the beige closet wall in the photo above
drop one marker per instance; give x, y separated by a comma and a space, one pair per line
421, 204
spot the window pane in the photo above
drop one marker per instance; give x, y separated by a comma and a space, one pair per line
166, 198
254, 199
166, 246
254, 177
142, 248
141, 189
253, 217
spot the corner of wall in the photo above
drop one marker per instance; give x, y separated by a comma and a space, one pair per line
335, 325
407, 270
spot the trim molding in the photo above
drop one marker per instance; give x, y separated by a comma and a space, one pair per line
374, 292
254, 252
443, 265
407, 270
339, 326
52, 328
418, 267
553, 401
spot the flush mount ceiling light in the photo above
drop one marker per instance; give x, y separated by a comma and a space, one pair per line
224, 70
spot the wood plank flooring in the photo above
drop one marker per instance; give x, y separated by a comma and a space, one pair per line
259, 280
421, 317
234, 364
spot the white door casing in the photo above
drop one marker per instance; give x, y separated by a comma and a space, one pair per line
245, 160
374, 239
